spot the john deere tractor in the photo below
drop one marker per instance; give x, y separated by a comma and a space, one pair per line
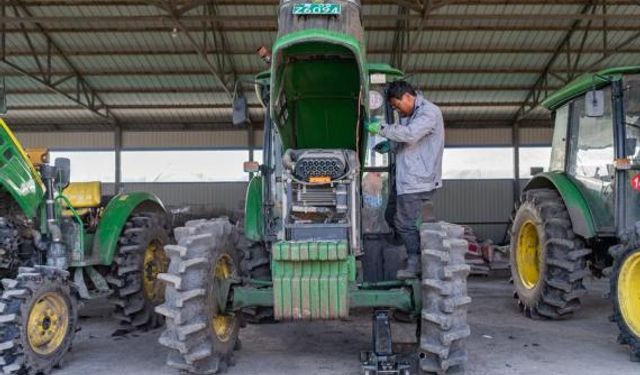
583, 216
61, 244
315, 217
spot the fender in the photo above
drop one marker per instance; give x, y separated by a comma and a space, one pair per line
115, 217
18, 176
253, 220
579, 211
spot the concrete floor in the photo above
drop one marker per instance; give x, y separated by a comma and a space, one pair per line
502, 342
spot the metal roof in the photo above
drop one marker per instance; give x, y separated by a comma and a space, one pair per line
151, 65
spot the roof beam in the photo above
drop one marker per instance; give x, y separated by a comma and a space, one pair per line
449, 50
535, 94
194, 20
84, 95
216, 69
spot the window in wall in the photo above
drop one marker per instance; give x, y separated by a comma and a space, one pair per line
478, 163
533, 157
89, 165
184, 166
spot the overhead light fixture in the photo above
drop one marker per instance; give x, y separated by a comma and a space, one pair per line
174, 32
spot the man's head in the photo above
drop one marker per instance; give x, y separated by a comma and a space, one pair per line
402, 97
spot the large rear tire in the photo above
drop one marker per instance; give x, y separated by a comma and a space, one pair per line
625, 286
38, 320
548, 261
255, 263
443, 327
200, 334
140, 258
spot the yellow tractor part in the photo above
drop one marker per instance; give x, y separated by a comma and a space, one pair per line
629, 292
48, 323
38, 156
84, 194
155, 262
222, 325
528, 255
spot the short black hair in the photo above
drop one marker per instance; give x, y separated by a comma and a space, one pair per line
396, 89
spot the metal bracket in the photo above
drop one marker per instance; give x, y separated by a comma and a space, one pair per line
382, 360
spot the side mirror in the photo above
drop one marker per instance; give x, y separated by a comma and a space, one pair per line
240, 110
594, 103
535, 170
63, 172
630, 145
251, 167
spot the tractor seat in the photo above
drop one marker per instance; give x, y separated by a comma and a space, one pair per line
84, 195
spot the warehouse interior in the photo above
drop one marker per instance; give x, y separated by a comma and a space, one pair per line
138, 95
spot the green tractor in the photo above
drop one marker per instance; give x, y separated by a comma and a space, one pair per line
314, 217
60, 244
583, 216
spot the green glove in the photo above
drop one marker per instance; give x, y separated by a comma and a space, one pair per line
373, 126
382, 148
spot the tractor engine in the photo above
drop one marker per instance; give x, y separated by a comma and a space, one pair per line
320, 198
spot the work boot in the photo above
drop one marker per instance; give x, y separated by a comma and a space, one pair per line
412, 270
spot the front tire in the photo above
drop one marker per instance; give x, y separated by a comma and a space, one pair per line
201, 331
548, 261
443, 327
139, 259
625, 286
38, 321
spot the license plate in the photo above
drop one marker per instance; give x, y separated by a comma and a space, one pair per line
317, 9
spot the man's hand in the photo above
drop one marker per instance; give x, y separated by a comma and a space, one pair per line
382, 148
373, 126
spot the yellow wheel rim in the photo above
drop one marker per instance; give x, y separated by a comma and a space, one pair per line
222, 325
629, 292
155, 262
528, 255
48, 323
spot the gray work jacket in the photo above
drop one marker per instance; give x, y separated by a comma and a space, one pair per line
419, 145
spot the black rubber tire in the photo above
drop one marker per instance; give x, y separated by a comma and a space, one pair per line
131, 306
20, 294
255, 263
443, 324
9, 248
189, 301
556, 295
620, 254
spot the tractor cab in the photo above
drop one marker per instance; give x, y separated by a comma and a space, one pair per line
583, 216
596, 145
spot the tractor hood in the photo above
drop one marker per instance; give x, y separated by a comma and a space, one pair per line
319, 85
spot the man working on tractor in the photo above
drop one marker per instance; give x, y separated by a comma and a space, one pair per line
418, 144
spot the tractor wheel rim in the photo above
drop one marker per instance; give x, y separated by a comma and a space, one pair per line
155, 262
629, 292
48, 323
528, 255
222, 324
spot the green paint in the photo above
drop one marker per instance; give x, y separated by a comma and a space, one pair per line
311, 279
382, 68
319, 88
253, 215
114, 218
581, 216
392, 298
250, 297
17, 175
587, 82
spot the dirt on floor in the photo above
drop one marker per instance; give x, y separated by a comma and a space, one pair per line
502, 342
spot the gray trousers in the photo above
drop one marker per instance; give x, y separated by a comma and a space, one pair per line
409, 208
